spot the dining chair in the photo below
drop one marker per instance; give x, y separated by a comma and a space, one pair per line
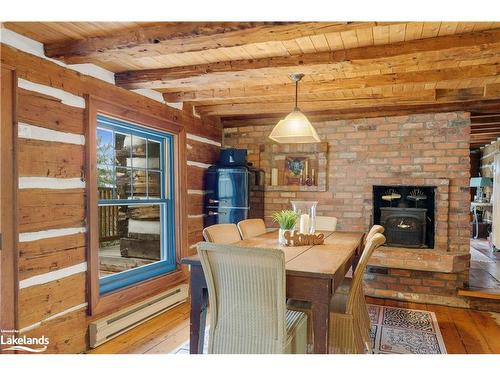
373, 231
326, 223
246, 292
340, 300
345, 287
348, 330
222, 233
251, 228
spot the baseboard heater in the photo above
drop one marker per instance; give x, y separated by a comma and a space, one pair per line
105, 329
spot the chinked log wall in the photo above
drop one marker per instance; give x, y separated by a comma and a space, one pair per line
51, 210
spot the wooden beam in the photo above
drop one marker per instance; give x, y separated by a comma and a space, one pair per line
484, 116
323, 86
480, 137
153, 78
485, 121
180, 37
366, 112
318, 104
305, 106
327, 97
491, 130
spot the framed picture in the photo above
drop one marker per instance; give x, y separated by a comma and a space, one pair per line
295, 169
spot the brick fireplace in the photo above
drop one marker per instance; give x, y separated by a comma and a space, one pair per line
426, 150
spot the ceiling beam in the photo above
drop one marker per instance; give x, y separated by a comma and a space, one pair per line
324, 86
485, 131
153, 78
305, 106
337, 96
366, 112
490, 120
183, 37
479, 130
485, 117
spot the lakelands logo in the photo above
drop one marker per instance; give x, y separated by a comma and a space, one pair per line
23, 343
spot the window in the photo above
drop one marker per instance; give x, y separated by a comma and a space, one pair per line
135, 203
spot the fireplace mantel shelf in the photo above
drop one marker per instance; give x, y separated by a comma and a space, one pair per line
429, 260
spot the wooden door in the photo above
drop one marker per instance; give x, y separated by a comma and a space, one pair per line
8, 185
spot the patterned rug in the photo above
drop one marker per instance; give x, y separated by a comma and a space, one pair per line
405, 331
394, 331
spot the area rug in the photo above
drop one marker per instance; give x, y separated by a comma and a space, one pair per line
405, 331
394, 331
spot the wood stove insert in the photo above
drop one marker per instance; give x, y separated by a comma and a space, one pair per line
407, 214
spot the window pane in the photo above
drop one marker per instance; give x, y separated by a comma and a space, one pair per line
123, 180
154, 184
153, 154
129, 237
138, 152
104, 147
122, 148
105, 182
139, 182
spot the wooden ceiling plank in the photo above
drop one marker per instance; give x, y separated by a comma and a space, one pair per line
189, 37
414, 30
399, 64
492, 89
442, 75
430, 29
153, 78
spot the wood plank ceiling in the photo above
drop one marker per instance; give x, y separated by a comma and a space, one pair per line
239, 71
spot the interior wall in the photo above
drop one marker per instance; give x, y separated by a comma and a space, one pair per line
51, 214
422, 149
400, 150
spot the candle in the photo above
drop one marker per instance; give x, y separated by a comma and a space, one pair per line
274, 176
304, 223
313, 177
307, 168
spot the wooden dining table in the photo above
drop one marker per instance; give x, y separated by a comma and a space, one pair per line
313, 273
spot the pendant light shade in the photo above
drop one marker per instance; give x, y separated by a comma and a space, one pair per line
295, 127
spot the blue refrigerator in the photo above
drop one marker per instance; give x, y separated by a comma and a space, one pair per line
227, 198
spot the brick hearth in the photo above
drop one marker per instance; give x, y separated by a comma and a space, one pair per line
423, 149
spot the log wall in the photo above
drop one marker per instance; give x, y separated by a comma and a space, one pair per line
51, 205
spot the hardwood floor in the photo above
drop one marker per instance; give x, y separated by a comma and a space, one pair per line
485, 268
464, 331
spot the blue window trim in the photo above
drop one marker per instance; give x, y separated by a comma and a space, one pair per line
167, 215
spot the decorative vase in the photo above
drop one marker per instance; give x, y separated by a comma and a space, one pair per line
281, 236
307, 216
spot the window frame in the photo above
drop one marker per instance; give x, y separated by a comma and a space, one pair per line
159, 280
165, 201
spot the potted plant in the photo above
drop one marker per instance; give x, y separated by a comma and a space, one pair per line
286, 219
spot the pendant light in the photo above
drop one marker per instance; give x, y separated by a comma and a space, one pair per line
295, 127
